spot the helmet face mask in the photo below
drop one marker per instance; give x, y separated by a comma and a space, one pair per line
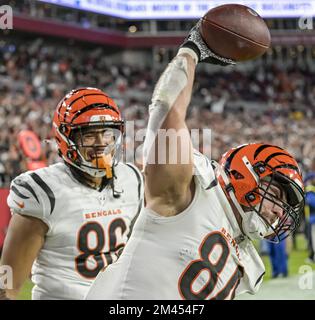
98, 147
288, 202
266, 187
89, 131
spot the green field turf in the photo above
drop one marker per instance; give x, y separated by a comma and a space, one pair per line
296, 260
287, 288
26, 292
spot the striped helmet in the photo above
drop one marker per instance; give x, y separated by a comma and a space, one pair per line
248, 166
81, 109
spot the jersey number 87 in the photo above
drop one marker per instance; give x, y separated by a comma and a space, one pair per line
194, 269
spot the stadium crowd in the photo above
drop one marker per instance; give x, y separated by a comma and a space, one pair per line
270, 103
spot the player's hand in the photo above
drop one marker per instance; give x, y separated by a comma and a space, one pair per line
195, 42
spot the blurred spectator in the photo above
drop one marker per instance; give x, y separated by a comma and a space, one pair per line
263, 247
269, 104
279, 258
310, 215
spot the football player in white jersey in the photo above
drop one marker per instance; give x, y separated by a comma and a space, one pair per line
72, 219
193, 238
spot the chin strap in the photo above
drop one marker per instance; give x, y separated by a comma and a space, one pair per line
84, 179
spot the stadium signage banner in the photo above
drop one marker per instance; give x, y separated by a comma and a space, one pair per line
186, 9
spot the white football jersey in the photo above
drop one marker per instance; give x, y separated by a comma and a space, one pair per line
193, 255
87, 228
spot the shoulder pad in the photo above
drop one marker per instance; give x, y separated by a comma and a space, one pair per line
31, 195
204, 171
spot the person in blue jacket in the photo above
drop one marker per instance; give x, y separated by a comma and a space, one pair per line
279, 258
310, 214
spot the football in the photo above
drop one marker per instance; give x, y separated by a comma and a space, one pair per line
235, 31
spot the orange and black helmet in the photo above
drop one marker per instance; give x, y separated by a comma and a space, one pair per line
85, 108
248, 165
